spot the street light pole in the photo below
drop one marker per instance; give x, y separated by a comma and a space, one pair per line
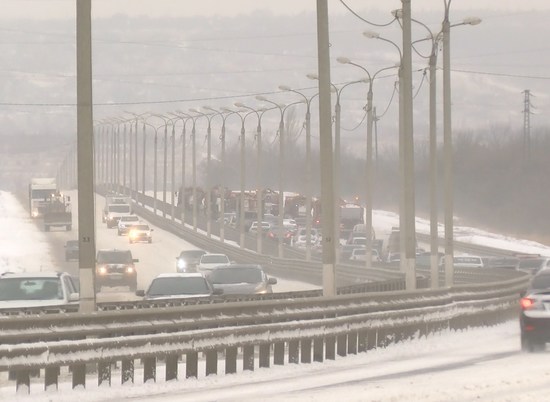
282, 137
308, 177
208, 171
259, 186
369, 165
447, 149
327, 169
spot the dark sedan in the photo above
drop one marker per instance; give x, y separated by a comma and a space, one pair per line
535, 313
71, 250
241, 279
188, 260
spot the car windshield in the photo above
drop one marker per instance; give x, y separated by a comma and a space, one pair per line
30, 289
236, 275
129, 219
192, 254
114, 257
214, 259
178, 286
541, 282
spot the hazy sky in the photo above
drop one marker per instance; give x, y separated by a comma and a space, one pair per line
46, 9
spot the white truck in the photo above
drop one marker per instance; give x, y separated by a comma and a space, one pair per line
115, 211
114, 199
41, 190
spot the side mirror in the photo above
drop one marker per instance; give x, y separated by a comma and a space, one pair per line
135, 260
140, 293
152, 230
272, 281
74, 297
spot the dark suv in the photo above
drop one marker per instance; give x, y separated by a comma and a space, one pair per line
115, 268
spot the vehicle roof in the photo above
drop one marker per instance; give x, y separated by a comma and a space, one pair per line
181, 275
217, 254
193, 251
237, 266
41, 274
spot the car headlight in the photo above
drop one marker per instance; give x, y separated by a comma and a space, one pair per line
133, 234
102, 270
130, 270
182, 264
34, 214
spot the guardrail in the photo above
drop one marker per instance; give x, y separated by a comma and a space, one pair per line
135, 337
299, 331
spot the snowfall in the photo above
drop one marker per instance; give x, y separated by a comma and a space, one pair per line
482, 364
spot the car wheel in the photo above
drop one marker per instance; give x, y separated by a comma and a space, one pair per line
119, 233
130, 241
150, 240
530, 345
133, 287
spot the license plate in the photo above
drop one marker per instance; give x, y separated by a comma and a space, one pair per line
116, 277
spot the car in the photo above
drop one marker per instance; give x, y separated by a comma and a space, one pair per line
241, 279
346, 250
210, 261
359, 241
37, 289
291, 225
71, 250
115, 212
114, 268
140, 233
533, 265
393, 258
535, 313
301, 241
468, 261
264, 225
314, 233
188, 260
360, 254
125, 222
275, 232
178, 286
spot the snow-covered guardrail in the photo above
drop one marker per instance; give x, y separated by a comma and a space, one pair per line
324, 336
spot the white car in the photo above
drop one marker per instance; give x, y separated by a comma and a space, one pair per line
360, 254
315, 236
37, 289
210, 261
125, 222
264, 225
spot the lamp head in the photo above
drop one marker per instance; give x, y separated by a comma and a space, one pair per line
312, 76
239, 104
398, 13
226, 109
371, 34
194, 110
343, 60
472, 21
284, 88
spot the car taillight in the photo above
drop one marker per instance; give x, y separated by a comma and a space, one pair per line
526, 303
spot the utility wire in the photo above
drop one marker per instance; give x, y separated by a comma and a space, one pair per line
364, 20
